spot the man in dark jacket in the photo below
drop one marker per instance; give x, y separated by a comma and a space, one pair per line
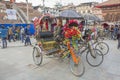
27, 33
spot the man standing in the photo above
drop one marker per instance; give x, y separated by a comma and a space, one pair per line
11, 35
27, 33
58, 31
4, 34
22, 34
118, 37
112, 31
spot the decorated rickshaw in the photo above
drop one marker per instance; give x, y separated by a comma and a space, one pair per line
67, 47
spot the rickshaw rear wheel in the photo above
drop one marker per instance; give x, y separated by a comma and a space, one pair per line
95, 61
37, 56
103, 47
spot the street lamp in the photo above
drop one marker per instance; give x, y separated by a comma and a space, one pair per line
27, 11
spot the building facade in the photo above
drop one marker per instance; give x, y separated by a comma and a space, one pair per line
85, 7
70, 6
98, 12
110, 10
47, 10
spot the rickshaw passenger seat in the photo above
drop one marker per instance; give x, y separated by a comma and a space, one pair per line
47, 36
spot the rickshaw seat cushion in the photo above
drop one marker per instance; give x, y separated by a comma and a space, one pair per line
47, 34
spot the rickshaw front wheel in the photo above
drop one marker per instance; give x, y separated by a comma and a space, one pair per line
37, 56
77, 69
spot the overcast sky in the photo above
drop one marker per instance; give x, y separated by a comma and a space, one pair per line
51, 3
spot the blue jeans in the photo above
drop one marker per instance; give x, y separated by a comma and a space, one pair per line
4, 42
112, 35
18, 36
12, 37
22, 38
27, 40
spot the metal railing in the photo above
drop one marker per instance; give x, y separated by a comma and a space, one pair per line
21, 14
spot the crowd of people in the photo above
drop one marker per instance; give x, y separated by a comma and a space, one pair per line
112, 32
14, 34
58, 28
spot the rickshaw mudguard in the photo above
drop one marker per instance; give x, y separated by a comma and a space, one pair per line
48, 45
51, 47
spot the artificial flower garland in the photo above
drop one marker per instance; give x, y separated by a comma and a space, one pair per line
72, 35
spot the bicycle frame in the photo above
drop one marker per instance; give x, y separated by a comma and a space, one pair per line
89, 48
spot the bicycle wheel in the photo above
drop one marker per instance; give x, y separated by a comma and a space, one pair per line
103, 47
37, 56
96, 60
77, 69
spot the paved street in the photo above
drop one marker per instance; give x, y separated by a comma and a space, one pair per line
16, 63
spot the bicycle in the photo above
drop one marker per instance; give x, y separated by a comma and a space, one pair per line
93, 54
102, 46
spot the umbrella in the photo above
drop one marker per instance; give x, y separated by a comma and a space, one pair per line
69, 14
92, 17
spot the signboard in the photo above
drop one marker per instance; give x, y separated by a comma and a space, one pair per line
11, 14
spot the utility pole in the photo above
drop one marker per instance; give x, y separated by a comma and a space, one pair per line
102, 0
43, 6
27, 10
